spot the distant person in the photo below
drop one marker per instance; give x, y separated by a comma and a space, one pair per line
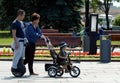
18, 37
99, 32
33, 33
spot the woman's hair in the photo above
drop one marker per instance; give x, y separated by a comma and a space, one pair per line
35, 16
20, 12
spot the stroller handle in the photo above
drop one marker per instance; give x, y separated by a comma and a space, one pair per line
48, 43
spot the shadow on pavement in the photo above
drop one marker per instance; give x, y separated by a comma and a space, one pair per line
12, 77
58, 77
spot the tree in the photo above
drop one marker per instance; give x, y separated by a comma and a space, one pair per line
105, 7
94, 5
116, 21
61, 14
9, 8
87, 15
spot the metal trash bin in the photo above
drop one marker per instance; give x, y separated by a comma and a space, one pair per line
105, 49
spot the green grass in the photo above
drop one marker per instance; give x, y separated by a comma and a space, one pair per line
112, 42
5, 41
115, 42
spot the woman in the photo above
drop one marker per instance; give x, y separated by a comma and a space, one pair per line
33, 33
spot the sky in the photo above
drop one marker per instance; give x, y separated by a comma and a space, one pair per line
117, 4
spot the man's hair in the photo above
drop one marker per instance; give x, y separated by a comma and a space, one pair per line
35, 16
20, 12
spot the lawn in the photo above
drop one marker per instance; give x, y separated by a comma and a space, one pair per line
112, 42
5, 41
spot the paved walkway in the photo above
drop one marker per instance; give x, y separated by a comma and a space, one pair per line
91, 72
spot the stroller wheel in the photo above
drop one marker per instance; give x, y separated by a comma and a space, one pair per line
52, 72
60, 72
75, 71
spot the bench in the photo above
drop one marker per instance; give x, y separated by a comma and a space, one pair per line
55, 40
115, 37
57, 34
107, 32
49, 31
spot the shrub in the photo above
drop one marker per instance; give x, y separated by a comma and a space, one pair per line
116, 21
8, 50
4, 50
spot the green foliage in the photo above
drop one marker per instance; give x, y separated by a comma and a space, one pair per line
105, 7
116, 21
94, 5
60, 14
4, 50
6, 41
8, 10
8, 50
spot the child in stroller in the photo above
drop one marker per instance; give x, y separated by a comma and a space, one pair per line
61, 61
63, 58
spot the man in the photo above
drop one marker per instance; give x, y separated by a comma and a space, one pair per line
99, 32
33, 33
18, 37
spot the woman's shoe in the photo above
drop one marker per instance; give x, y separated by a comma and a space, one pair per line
34, 74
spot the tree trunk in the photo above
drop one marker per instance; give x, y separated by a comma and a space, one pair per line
107, 7
87, 15
107, 20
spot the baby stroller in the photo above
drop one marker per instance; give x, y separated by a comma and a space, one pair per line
55, 69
